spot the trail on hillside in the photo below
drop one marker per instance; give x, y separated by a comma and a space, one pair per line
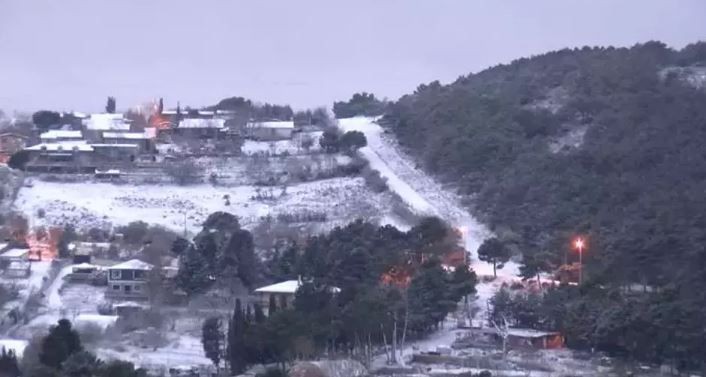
420, 191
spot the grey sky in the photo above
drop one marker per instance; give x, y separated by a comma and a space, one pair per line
71, 54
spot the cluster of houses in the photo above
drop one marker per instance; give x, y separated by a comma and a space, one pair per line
110, 141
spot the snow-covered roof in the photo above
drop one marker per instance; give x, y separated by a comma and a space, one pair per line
130, 304
103, 321
133, 264
108, 145
107, 122
125, 135
289, 286
206, 112
78, 145
523, 333
202, 123
61, 134
84, 266
3, 246
271, 124
15, 253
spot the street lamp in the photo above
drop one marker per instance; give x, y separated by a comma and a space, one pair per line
579, 245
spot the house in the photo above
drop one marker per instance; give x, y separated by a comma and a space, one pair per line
270, 130
128, 280
143, 140
14, 263
83, 272
61, 157
53, 136
529, 338
283, 294
200, 128
10, 143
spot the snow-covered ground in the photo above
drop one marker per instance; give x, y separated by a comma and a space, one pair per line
87, 204
420, 191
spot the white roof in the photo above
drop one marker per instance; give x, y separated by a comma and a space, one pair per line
125, 135
15, 253
84, 266
79, 145
133, 264
202, 123
524, 333
107, 122
108, 145
3, 246
206, 112
271, 124
289, 286
61, 134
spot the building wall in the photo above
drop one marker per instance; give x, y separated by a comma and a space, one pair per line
265, 133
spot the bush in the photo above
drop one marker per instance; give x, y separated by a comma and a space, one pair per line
184, 172
374, 180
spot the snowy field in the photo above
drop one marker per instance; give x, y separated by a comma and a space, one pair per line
87, 205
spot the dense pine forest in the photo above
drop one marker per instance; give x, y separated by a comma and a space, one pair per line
607, 143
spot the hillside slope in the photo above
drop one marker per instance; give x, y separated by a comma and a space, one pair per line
598, 142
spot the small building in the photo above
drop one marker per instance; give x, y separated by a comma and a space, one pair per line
17, 269
283, 294
14, 254
84, 251
270, 130
529, 338
83, 272
128, 280
200, 128
53, 136
115, 154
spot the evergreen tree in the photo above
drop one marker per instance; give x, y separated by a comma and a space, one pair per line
462, 282
8, 364
62, 342
194, 275
494, 251
211, 339
329, 141
236, 341
351, 141
117, 368
110, 105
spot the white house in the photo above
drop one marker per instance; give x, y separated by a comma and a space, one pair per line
128, 280
52, 136
107, 122
272, 130
283, 293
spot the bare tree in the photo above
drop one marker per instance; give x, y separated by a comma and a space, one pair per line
184, 172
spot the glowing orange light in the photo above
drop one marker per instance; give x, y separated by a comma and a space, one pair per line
579, 244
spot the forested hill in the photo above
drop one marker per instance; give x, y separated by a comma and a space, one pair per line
604, 142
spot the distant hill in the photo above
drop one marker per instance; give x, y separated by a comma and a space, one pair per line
603, 142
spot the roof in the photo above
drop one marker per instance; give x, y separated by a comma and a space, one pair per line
109, 145
524, 333
201, 123
61, 134
15, 253
3, 246
289, 286
107, 122
125, 135
79, 145
13, 134
271, 124
133, 264
84, 266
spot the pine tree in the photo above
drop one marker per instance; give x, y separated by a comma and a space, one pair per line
110, 105
494, 251
211, 339
62, 342
462, 282
236, 341
194, 274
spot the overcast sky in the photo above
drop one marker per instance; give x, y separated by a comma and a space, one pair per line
71, 54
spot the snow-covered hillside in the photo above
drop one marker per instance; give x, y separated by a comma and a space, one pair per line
419, 190
88, 204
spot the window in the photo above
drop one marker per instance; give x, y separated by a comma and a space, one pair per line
128, 289
138, 274
116, 287
138, 288
115, 274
